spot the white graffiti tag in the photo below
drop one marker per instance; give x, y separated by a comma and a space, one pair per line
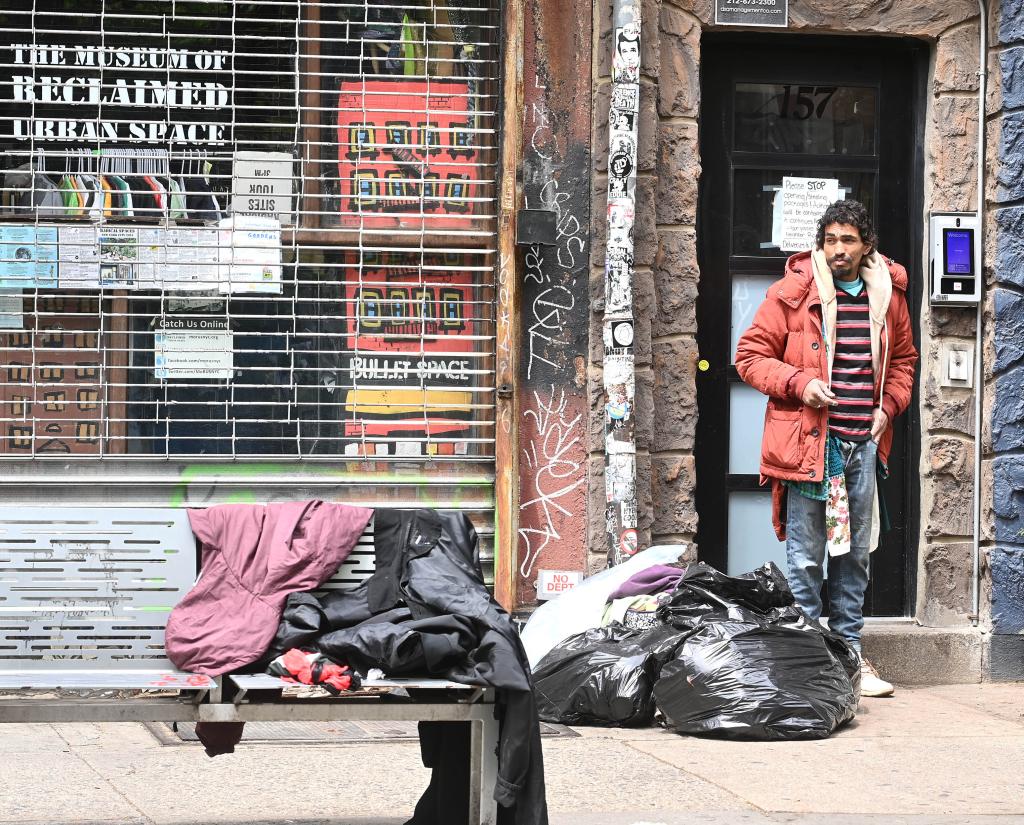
554, 460
541, 135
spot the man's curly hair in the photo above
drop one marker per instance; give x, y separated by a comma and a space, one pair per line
853, 213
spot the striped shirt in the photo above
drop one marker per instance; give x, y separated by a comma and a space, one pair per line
852, 376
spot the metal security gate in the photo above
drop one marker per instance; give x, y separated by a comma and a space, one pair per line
248, 252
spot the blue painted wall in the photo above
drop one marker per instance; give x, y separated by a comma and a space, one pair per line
1007, 557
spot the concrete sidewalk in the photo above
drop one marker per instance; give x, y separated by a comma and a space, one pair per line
928, 756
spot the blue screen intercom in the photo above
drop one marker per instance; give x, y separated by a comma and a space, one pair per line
954, 238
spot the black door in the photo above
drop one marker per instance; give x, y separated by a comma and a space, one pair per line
796, 107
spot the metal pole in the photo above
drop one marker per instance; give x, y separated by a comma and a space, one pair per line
619, 372
979, 378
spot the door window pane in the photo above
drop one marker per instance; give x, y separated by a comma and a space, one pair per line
746, 423
754, 197
752, 539
748, 291
820, 120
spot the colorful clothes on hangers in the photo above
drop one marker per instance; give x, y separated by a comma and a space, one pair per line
108, 200
177, 208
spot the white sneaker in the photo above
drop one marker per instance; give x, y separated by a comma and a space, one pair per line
871, 684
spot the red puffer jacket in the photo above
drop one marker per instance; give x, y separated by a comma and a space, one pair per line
783, 350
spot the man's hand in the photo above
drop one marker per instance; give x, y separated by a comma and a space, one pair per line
817, 394
879, 424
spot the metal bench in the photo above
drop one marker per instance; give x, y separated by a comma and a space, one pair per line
85, 594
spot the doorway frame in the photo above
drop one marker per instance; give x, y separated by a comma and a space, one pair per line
710, 450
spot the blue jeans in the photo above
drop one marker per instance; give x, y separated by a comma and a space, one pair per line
806, 552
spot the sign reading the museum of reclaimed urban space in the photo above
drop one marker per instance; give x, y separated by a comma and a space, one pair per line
72, 91
752, 13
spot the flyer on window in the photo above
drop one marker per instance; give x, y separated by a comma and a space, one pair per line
193, 348
11, 310
250, 248
119, 254
79, 257
152, 243
28, 256
192, 262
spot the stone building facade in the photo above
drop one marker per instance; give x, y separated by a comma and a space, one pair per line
952, 641
1005, 552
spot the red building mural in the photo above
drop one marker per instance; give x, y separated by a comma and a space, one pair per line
407, 154
416, 356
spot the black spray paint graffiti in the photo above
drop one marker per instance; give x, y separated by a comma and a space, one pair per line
554, 323
550, 319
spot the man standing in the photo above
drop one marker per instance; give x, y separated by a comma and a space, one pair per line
832, 348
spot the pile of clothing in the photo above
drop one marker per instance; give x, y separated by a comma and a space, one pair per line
424, 612
706, 653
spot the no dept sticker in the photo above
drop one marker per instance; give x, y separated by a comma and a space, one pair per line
551, 583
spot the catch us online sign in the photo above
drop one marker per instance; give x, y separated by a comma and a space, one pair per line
47, 74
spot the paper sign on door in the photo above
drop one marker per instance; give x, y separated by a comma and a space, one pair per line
796, 209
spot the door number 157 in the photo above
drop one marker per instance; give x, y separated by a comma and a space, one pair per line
805, 102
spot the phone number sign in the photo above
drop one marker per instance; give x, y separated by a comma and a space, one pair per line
752, 13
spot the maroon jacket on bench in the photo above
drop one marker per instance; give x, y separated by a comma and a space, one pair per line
253, 556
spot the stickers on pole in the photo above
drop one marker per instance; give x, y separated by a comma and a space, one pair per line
798, 205
619, 381
619, 388
626, 50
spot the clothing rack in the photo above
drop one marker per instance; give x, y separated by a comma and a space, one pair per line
112, 184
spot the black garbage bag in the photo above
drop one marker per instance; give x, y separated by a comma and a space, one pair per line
603, 676
749, 677
753, 665
847, 656
704, 592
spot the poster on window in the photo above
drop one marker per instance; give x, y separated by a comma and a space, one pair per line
796, 208
407, 154
193, 348
11, 314
250, 254
413, 357
28, 256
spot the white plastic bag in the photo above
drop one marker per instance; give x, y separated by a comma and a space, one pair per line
581, 608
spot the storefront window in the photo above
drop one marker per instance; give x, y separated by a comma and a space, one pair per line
248, 229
